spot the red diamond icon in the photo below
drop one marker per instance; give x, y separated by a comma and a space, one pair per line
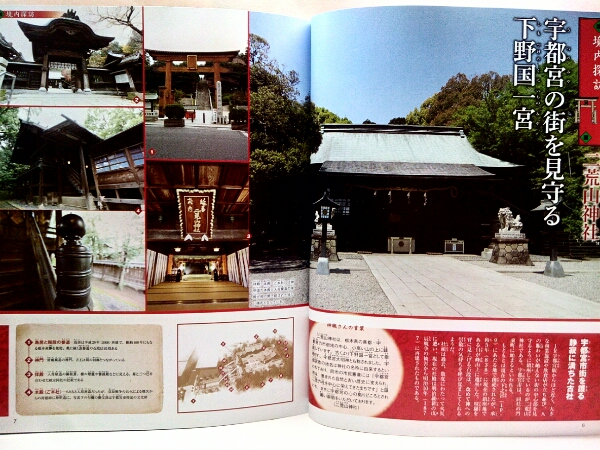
193, 400
262, 384
287, 355
285, 349
256, 336
230, 389
224, 360
248, 236
279, 342
220, 367
275, 330
136, 100
246, 387
28, 374
270, 380
280, 375
28, 392
152, 152
226, 384
223, 344
138, 210
29, 360
28, 342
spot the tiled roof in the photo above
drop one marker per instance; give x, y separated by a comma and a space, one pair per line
400, 144
403, 169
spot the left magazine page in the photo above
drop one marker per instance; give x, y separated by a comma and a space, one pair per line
128, 295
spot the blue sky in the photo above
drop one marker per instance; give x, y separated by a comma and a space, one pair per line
381, 63
289, 41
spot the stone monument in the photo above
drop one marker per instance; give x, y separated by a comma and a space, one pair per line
509, 244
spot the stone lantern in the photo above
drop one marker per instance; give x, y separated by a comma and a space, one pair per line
325, 210
553, 267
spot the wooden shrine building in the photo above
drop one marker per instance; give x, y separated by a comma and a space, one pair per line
165, 93
60, 50
71, 166
196, 223
425, 184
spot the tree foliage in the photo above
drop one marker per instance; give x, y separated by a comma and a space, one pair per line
284, 133
326, 116
9, 129
484, 107
108, 122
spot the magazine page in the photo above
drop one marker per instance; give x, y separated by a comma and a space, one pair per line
125, 287
455, 246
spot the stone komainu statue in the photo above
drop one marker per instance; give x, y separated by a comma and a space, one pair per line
508, 222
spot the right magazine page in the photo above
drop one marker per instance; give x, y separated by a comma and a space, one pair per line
455, 247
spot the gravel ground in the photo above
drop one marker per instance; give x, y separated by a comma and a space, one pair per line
582, 278
339, 291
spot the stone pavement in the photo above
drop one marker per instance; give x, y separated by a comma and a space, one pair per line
428, 285
196, 142
64, 97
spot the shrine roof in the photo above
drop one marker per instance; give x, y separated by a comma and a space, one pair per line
59, 31
68, 135
432, 149
403, 169
8, 51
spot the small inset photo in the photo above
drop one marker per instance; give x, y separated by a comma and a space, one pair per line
71, 56
197, 235
55, 260
72, 159
196, 84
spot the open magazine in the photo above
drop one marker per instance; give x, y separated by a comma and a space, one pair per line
215, 216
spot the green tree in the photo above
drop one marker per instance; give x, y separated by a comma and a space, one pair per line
326, 116
284, 133
368, 122
398, 121
9, 171
490, 125
107, 122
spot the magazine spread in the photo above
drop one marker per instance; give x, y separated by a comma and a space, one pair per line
386, 217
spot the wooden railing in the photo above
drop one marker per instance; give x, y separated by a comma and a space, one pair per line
46, 273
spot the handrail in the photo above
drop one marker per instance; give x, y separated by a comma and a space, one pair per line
46, 272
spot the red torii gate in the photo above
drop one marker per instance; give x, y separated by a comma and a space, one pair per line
165, 93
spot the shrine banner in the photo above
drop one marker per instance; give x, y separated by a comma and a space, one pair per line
591, 199
196, 212
589, 81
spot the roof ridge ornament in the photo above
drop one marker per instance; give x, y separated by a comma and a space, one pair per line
71, 14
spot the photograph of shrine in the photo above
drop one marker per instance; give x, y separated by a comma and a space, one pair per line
72, 158
61, 54
55, 260
196, 84
197, 235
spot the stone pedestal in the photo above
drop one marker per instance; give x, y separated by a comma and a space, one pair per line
554, 269
331, 246
511, 251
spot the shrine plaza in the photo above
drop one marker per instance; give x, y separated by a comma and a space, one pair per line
64, 97
435, 285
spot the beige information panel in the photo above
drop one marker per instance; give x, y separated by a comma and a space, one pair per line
88, 369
